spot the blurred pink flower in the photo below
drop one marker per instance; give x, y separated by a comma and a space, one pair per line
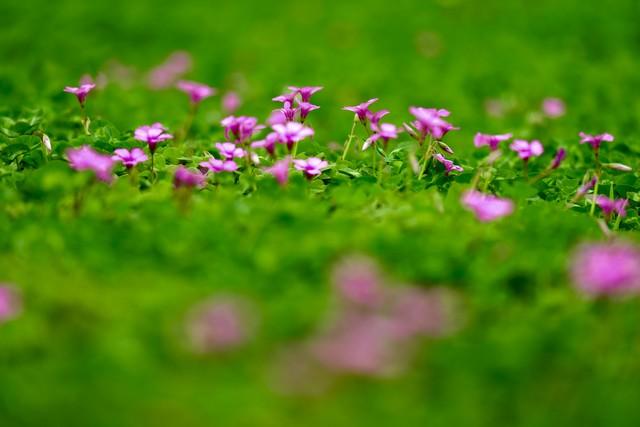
185, 178
481, 140
268, 143
80, 92
167, 74
383, 132
229, 150
196, 91
429, 121
362, 110
311, 167
526, 149
305, 92
85, 158
595, 140
280, 170
231, 101
609, 206
216, 165
486, 207
449, 166
601, 269
561, 154
129, 158
359, 281
553, 107
10, 303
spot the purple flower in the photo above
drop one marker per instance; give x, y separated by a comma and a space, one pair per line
280, 170
286, 98
218, 325
311, 167
362, 110
610, 206
231, 102
196, 91
229, 150
586, 187
216, 165
595, 140
606, 269
305, 108
553, 107
429, 122
184, 178
129, 158
305, 91
561, 154
526, 149
481, 140
268, 143
152, 135
80, 92
10, 303
358, 281
486, 207
276, 117
242, 128
448, 164
384, 132
167, 73
375, 118
85, 158
292, 132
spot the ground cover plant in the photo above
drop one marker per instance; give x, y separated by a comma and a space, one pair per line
423, 213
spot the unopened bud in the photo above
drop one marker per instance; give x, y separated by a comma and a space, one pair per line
618, 166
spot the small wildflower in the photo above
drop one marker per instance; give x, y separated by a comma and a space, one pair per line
292, 132
553, 107
241, 128
85, 158
586, 187
280, 170
449, 166
229, 150
216, 165
561, 154
305, 92
305, 108
268, 143
129, 158
311, 167
595, 140
384, 132
184, 178
80, 92
152, 135
610, 206
231, 102
166, 74
429, 121
606, 269
362, 110
196, 91
486, 207
492, 141
526, 149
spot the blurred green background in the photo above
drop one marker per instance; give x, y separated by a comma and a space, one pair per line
100, 341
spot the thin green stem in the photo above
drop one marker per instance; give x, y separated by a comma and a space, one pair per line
350, 139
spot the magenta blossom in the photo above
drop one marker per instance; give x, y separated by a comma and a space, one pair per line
610, 206
304, 108
449, 166
561, 154
129, 158
305, 92
526, 149
276, 118
481, 140
220, 324
167, 73
486, 207
231, 101
229, 150
292, 132
268, 143
362, 110
375, 118
586, 187
152, 135
196, 91
311, 167
10, 303
359, 282
595, 140
216, 165
241, 128
383, 132
85, 158
429, 121
553, 107
280, 170
80, 92
185, 178
606, 269
287, 98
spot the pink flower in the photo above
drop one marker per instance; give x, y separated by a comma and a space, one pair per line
184, 178
196, 91
492, 141
152, 135
129, 158
280, 170
311, 167
216, 165
486, 207
229, 150
610, 206
429, 122
231, 102
422, 312
384, 132
241, 128
85, 158
269, 143
362, 110
305, 92
375, 118
305, 108
80, 92
449, 166
292, 132
10, 303
561, 154
277, 117
606, 269
358, 281
586, 187
553, 107
166, 74
595, 140
526, 149
219, 325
